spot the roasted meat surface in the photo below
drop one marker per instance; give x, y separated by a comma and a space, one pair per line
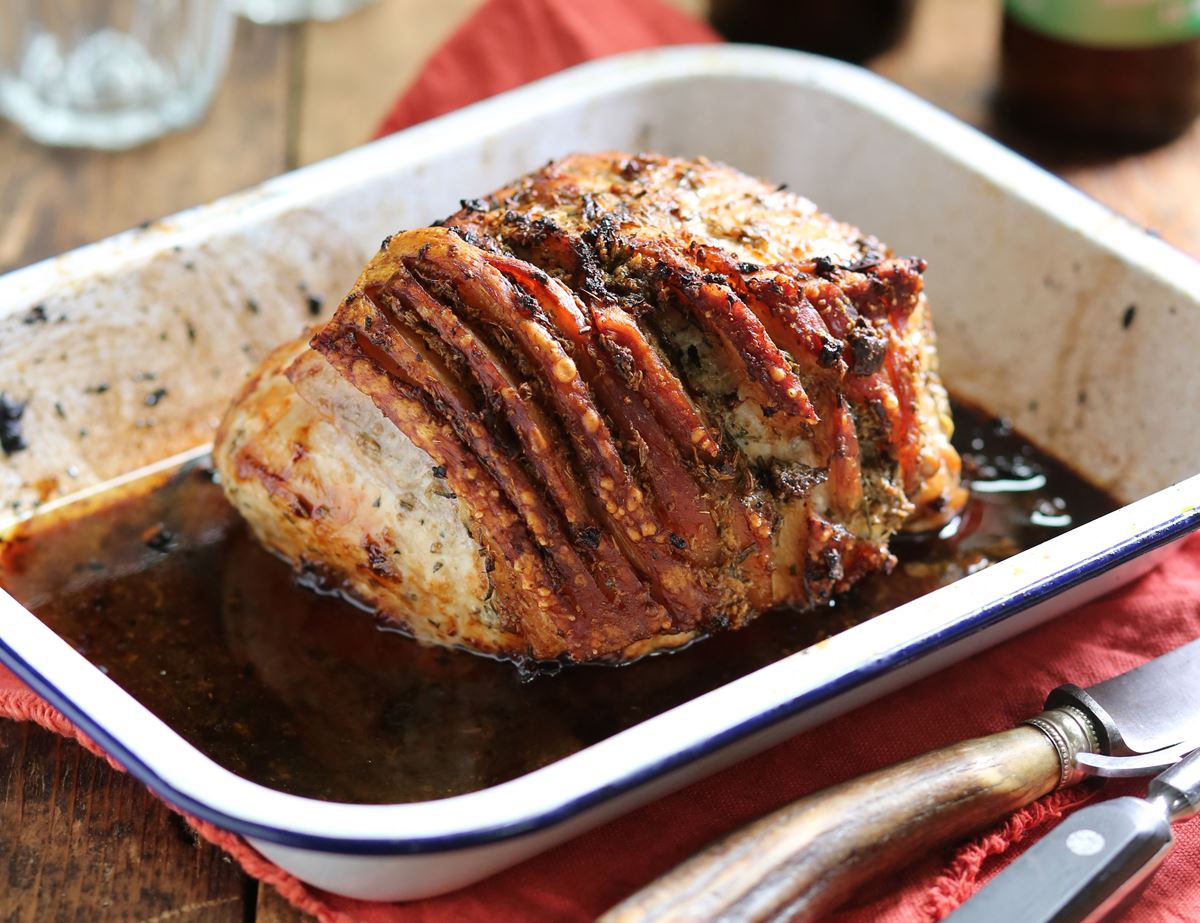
619, 404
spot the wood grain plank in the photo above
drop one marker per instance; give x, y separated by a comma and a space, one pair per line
271, 908
52, 200
949, 56
354, 68
81, 842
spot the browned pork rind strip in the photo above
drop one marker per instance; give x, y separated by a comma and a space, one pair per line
644, 370
448, 265
669, 396
485, 292
518, 565
689, 522
727, 318
382, 361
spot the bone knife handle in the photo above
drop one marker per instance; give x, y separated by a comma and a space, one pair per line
805, 859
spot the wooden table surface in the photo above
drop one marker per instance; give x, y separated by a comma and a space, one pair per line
79, 841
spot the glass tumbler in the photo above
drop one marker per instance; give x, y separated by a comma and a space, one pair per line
279, 12
110, 74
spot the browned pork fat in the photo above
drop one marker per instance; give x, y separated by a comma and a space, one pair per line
623, 402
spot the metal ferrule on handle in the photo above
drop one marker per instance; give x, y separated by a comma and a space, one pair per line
1072, 733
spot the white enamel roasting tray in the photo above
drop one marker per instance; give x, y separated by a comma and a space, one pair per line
1039, 293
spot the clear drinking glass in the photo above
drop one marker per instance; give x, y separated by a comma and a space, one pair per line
110, 74
277, 12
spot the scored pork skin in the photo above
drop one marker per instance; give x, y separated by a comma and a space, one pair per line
658, 397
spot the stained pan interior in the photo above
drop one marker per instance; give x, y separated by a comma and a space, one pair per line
1075, 329
1051, 311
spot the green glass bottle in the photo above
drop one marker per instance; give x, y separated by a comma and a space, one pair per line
1108, 73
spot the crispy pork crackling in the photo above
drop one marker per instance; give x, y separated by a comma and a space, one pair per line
621, 403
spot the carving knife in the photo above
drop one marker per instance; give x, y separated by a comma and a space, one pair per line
807, 858
1092, 863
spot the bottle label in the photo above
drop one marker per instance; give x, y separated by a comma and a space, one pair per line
1110, 23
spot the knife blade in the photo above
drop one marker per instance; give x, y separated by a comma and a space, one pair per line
1089, 866
1125, 724
805, 859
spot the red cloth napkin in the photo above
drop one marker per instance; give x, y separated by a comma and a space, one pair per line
579, 879
507, 43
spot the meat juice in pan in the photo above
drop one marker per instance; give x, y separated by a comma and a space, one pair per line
283, 682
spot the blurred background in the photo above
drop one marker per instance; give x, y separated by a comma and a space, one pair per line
287, 94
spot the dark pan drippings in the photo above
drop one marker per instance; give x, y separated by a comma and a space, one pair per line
161, 586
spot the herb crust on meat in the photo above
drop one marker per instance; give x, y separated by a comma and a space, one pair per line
644, 398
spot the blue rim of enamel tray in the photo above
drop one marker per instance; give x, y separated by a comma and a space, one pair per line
870, 668
544, 817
